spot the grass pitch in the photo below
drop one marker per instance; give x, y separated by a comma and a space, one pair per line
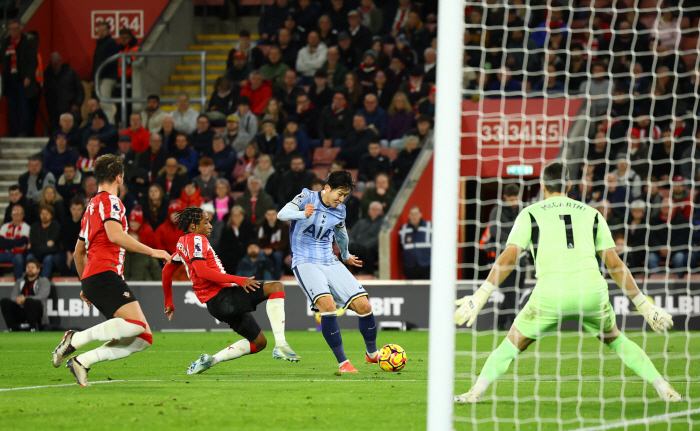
150, 390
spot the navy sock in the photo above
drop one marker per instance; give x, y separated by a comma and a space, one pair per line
368, 329
331, 332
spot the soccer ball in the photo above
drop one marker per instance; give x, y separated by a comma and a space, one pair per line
392, 357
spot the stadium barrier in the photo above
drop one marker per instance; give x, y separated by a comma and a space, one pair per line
405, 302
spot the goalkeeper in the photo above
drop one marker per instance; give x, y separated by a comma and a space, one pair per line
565, 236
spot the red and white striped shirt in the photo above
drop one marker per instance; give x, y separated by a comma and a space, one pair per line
86, 164
10, 231
103, 255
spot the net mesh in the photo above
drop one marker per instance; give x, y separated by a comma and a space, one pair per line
612, 88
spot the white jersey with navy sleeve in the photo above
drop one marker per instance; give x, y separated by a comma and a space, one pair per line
312, 238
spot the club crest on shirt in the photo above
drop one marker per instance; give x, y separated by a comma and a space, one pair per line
115, 207
127, 295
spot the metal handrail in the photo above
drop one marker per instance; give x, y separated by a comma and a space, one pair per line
123, 100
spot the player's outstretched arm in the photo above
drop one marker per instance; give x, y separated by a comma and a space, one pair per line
469, 306
117, 236
341, 237
168, 271
656, 317
207, 273
292, 212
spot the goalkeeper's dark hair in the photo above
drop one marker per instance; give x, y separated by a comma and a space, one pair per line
188, 215
555, 177
340, 180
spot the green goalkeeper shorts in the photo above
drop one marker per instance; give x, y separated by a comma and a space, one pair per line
548, 308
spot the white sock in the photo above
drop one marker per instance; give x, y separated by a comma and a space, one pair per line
482, 384
113, 329
234, 351
113, 350
275, 312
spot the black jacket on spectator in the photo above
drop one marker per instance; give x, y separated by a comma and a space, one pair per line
291, 183
415, 96
324, 98
69, 189
289, 54
271, 21
371, 166
26, 62
679, 233
158, 161
402, 165
109, 135
233, 246
55, 162
105, 48
267, 146
308, 121
288, 98
362, 39
159, 217
224, 161
349, 57
201, 141
131, 162
62, 90
69, 234
39, 236
384, 96
335, 124
636, 240
30, 216
226, 105
355, 146
179, 182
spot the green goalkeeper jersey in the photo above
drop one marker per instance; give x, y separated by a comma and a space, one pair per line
565, 236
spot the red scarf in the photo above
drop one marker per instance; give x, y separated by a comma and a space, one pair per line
336, 111
12, 51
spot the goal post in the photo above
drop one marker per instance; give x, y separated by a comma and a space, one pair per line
446, 174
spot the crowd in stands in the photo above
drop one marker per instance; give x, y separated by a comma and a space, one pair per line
341, 84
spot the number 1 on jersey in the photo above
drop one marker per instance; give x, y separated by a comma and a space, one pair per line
566, 218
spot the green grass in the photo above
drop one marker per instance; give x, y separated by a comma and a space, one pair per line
150, 390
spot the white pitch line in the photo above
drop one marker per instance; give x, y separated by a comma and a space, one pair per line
643, 421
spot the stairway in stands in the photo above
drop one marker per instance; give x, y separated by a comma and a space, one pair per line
13, 162
186, 78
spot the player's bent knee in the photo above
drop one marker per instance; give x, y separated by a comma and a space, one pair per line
325, 304
260, 342
277, 286
361, 306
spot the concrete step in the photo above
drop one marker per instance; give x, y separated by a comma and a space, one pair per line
213, 48
210, 62
18, 153
4, 186
23, 142
228, 37
188, 89
12, 164
189, 68
192, 81
11, 174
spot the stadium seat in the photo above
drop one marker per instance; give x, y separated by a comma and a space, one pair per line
209, 2
255, 2
235, 195
391, 153
324, 156
659, 276
692, 277
320, 171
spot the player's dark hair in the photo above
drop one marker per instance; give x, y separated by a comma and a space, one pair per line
511, 190
340, 180
188, 215
107, 167
555, 177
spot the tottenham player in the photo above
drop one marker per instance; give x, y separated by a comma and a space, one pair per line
565, 235
317, 218
228, 298
99, 259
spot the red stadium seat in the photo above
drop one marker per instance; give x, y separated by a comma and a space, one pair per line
255, 2
235, 195
209, 2
320, 171
324, 156
391, 153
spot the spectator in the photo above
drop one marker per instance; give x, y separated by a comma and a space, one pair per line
402, 165
427, 106
50, 197
255, 263
273, 237
504, 85
244, 166
288, 47
255, 201
139, 135
352, 89
662, 155
257, 90
59, 156
223, 202
206, 182
382, 90
253, 54
335, 121
172, 178
283, 158
399, 121
356, 142
130, 158
271, 20
153, 159
107, 133
223, 156
375, 116
86, 164
264, 170
63, 91
423, 130
403, 51
636, 237
320, 93
416, 241
234, 239
18, 198
202, 137
669, 233
141, 267
311, 57
18, 76
168, 132
372, 16
232, 138
90, 188
273, 111
33, 181
399, 19
373, 163
294, 180
66, 125
184, 154
152, 116
302, 139
627, 177
247, 127
191, 195
155, 207
691, 158
184, 117
70, 231
335, 69
288, 92
69, 184
217, 226
92, 106
638, 155
338, 10
26, 306
597, 89
307, 14
382, 50
167, 233
240, 69
612, 217
367, 70
429, 68
415, 88
136, 224
364, 237
274, 69
349, 56
549, 84
382, 192
326, 32
617, 194
45, 240
680, 197
222, 102
360, 35
268, 140
307, 116
14, 239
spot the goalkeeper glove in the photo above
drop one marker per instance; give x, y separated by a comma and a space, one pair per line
656, 317
469, 306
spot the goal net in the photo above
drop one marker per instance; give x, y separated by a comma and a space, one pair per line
611, 87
